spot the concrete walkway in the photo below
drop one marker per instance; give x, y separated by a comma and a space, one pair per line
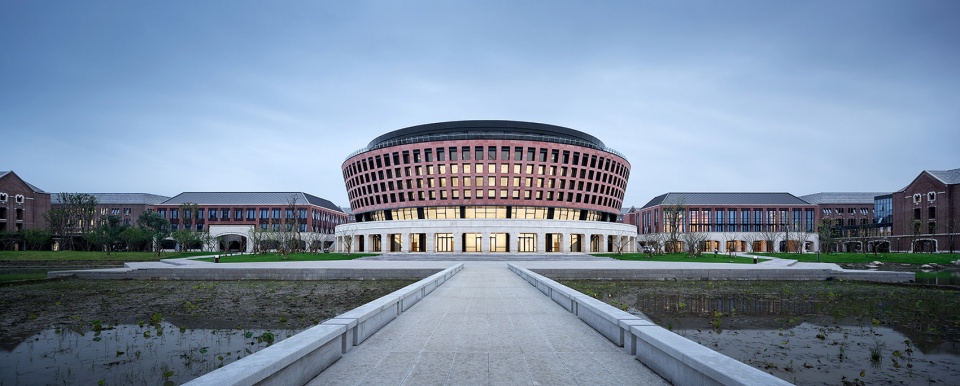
487, 326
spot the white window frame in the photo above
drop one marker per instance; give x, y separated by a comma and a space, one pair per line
931, 196
20, 199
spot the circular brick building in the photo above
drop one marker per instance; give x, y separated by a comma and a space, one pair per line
486, 186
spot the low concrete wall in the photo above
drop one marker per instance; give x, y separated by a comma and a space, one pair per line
300, 358
677, 359
725, 274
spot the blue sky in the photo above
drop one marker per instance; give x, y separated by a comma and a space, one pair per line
173, 96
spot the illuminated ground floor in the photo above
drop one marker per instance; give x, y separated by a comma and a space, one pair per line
486, 236
723, 242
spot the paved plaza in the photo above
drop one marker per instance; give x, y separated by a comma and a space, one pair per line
487, 326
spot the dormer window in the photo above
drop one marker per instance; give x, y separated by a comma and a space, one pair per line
19, 198
3, 197
931, 196
917, 197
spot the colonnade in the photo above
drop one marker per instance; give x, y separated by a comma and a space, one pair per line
474, 236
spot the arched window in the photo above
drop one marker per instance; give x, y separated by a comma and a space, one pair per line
19, 198
931, 196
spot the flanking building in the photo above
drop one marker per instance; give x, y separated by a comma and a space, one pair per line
234, 217
852, 218
125, 206
22, 204
925, 214
486, 186
727, 222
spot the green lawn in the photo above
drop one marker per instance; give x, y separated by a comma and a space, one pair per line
680, 257
273, 257
906, 258
33, 275
92, 256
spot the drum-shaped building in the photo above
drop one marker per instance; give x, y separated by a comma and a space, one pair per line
486, 186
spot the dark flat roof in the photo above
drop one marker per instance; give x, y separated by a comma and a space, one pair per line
482, 129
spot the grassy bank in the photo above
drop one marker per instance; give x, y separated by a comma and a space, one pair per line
273, 257
903, 258
680, 257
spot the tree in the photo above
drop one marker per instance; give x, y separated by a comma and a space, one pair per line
257, 236
134, 238
801, 239
768, 236
58, 220
694, 242
106, 234
294, 217
949, 228
727, 237
620, 241
314, 241
74, 217
82, 209
825, 234
914, 226
674, 215
157, 228
185, 239
8, 240
208, 241
345, 235
36, 239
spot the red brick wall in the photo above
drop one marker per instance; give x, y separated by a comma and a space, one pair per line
608, 195
34, 204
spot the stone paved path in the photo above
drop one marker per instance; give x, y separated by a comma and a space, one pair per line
487, 327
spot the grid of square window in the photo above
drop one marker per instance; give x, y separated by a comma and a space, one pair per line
519, 173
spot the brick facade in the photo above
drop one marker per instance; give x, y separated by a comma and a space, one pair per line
926, 214
22, 205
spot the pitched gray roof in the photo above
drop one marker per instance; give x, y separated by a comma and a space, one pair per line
248, 198
697, 199
119, 198
842, 197
31, 186
949, 177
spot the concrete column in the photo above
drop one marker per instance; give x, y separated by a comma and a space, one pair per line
458, 242
564, 244
404, 239
485, 242
384, 243
431, 246
541, 242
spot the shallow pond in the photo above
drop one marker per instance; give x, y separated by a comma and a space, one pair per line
938, 278
829, 354
808, 333
128, 354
